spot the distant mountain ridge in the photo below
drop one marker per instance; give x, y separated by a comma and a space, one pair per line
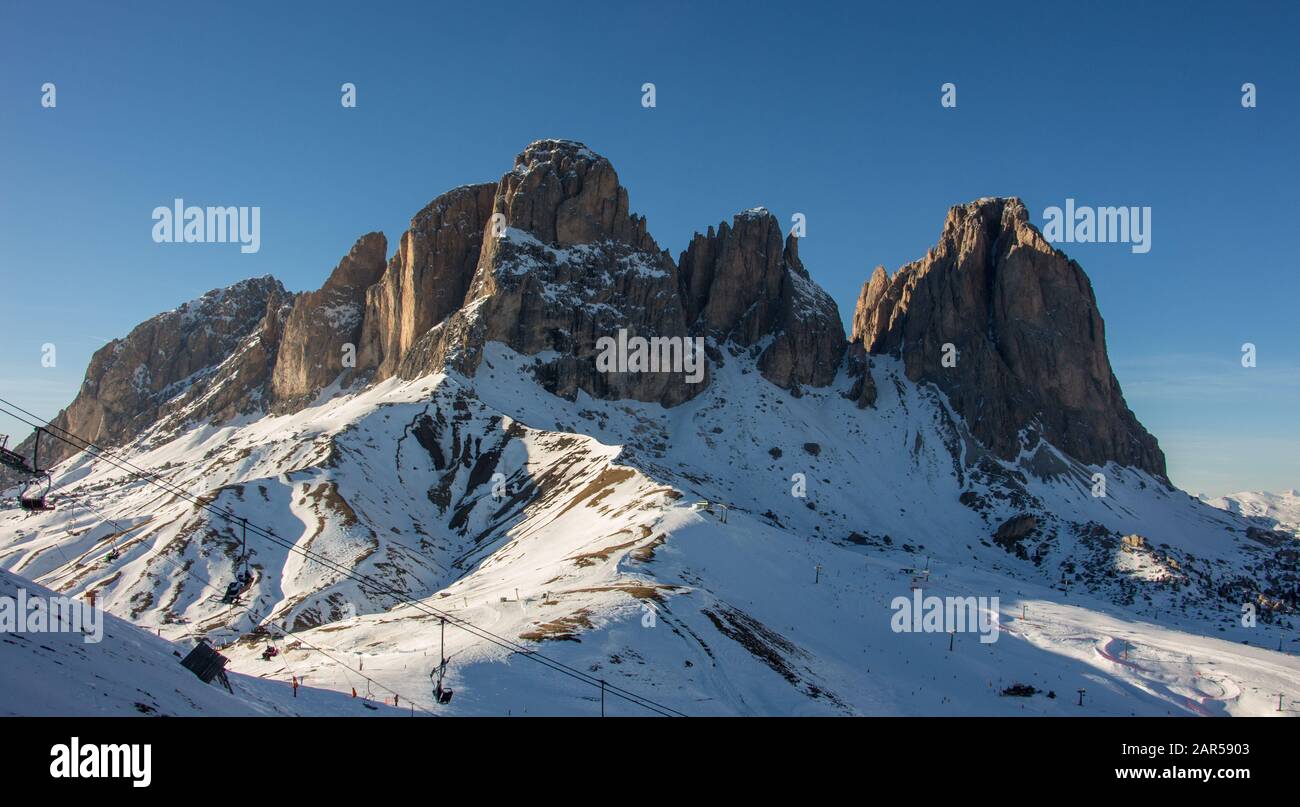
1281, 509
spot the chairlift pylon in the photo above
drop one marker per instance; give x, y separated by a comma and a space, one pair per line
245, 575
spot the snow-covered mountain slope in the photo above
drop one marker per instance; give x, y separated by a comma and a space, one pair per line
594, 552
1269, 509
131, 672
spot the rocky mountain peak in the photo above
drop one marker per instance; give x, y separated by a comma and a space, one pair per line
565, 194
1008, 327
744, 283
357, 269
573, 265
731, 279
570, 266
808, 342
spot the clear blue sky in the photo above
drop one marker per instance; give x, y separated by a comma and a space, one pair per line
831, 110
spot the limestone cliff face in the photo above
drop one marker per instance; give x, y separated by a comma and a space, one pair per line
732, 279
857, 360
322, 324
573, 265
240, 385
427, 278
1023, 325
808, 344
570, 266
130, 381
566, 195
741, 284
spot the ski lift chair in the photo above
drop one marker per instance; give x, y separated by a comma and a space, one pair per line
35, 502
442, 696
243, 582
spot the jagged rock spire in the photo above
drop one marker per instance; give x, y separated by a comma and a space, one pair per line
1023, 325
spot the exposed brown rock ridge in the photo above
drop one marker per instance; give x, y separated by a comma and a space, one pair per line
323, 323
571, 265
732, 280
427, 278
809, 343
131, 383
1030, 342
565, 194
550, 259
740, 283
574, 264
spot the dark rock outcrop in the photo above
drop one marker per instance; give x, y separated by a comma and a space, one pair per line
565, 194
572, 266
808, 343
731, 280
741, 284
1023, 325
241, 384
